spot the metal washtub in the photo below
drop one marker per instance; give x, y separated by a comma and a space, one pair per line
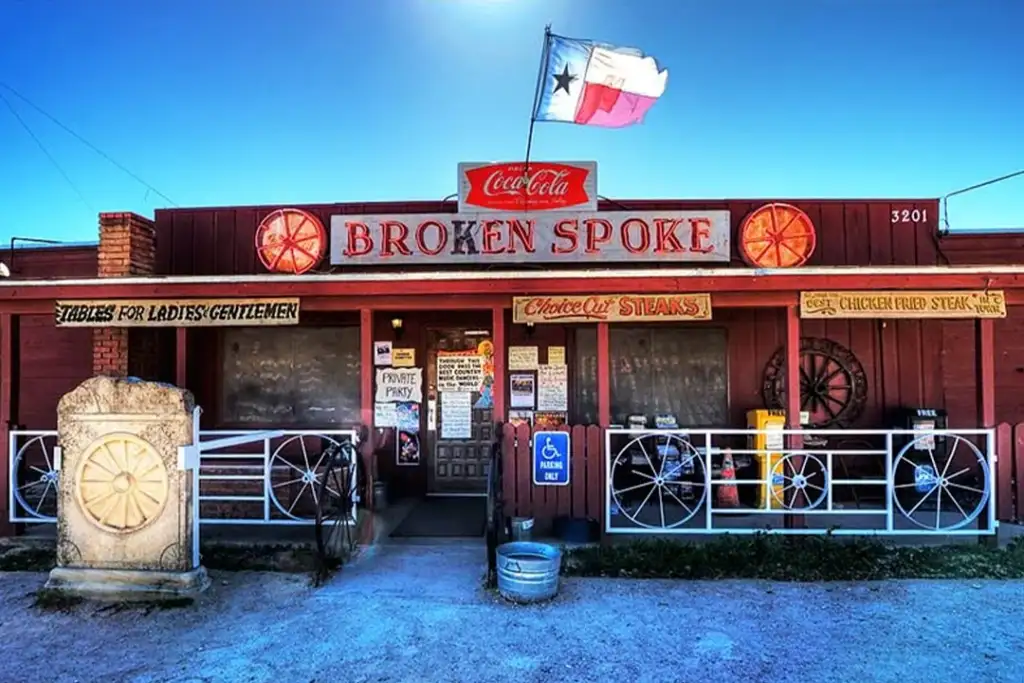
528, 572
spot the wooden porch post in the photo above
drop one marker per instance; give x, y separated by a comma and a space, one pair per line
795, 441
7, 389
181, 357
500, 353
986, 368
366, 406
604, 385
366, 368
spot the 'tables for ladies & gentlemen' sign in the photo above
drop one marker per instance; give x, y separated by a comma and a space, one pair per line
611, 308
904, 304
177, 313
533, 237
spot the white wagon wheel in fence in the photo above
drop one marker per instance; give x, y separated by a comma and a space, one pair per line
657, 480
35, 488
305, 473
936, 480
803, 476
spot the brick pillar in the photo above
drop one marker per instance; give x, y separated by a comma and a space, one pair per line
127, 248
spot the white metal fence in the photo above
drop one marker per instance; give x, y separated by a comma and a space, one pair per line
843, 482
272, 480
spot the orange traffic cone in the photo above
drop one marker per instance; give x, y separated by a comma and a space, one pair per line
728, 495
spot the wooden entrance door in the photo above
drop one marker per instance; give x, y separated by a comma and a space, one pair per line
458, 460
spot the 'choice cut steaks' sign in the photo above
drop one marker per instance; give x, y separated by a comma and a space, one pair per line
542, 237
543, 186
611, 308
177, 313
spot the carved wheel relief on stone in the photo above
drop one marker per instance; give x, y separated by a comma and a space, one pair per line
121, 483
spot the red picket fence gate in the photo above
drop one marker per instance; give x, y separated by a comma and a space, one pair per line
582, 498
1009, 474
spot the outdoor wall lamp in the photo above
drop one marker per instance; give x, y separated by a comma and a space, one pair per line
529, 329
396, 325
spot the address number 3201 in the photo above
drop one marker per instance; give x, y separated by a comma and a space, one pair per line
909, 215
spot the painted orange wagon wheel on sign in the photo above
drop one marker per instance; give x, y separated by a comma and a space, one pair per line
290, 241
777, 236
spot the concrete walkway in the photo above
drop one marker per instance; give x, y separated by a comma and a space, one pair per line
417, 613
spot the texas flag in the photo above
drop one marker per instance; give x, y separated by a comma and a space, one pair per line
591, 84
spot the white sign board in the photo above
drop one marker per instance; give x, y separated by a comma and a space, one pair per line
382, 353
523, 357
385, 415
399, 384
460, 372
553, 387
456, 415
397, 240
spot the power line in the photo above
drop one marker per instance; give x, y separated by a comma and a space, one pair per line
85, 142
45, 151
977, 186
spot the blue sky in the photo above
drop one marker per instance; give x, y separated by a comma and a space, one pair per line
224, 102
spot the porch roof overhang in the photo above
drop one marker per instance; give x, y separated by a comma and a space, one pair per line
764, 286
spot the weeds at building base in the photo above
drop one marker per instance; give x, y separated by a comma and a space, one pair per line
782, 558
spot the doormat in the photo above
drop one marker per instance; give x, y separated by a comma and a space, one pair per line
449, 517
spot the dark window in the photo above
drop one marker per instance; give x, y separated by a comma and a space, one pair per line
583, 407
291, 376
656, 370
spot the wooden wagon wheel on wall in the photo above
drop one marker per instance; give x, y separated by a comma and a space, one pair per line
833, 383
290, 241
777, 236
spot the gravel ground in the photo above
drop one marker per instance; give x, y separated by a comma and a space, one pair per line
417, 613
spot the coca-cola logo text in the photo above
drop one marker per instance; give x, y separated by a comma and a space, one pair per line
546, 182
541, 186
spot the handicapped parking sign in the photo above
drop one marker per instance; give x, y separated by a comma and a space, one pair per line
551, 458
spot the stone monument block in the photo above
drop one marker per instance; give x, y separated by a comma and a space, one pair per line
126, 499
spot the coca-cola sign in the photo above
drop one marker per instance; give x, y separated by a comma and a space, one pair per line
539, 186
528, 237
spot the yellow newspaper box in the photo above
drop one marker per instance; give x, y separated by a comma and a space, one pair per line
768, 449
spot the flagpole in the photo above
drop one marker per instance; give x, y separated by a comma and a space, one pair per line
541, 73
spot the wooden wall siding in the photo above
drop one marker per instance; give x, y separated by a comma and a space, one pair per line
51, 361
967, 249
1009, 475
902, 368
53, 262
582, 498
212, 241
959, 363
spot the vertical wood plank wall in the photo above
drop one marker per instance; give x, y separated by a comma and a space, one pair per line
51, 361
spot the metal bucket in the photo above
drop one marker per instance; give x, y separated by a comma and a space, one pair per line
528, 572
521, 528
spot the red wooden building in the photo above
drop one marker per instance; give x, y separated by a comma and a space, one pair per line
641, 319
